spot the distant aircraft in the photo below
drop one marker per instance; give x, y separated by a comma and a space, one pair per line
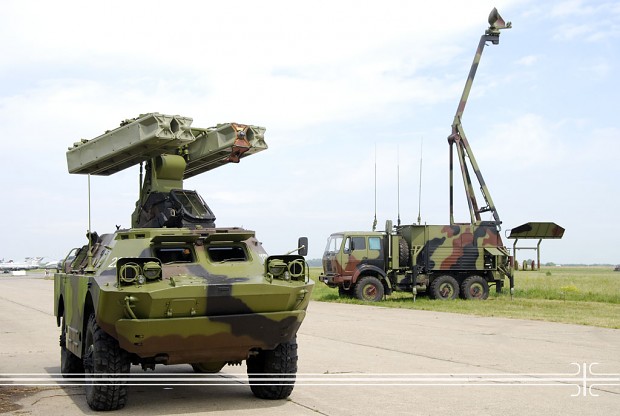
50, 264
29, 263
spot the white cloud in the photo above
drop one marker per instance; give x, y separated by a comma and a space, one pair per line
528, 140
571, 7
528, 60
597, 70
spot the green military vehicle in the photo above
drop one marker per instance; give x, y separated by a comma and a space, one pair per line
174, 288
441, 260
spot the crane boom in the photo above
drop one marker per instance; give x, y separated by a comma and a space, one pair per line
458, 138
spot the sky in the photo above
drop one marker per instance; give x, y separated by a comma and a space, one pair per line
344, 88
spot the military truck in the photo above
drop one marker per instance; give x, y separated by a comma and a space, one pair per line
174, 288
441, 260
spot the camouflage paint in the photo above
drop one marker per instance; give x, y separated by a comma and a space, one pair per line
197, 312
214, 294
429, 251
458, 138
452, 247
459, 250
345, 267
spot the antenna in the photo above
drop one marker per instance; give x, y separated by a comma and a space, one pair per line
420, 185
398, 182
374, 223
89, 267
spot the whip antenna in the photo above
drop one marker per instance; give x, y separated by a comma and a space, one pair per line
420, 185
398, 183
374, 223
89, 267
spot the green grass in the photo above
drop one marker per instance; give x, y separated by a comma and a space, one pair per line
575, 295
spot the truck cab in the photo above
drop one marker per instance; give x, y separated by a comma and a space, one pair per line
351, 256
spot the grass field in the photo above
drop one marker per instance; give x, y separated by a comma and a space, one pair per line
576, 295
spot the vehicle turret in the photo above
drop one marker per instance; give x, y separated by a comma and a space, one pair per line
171, 150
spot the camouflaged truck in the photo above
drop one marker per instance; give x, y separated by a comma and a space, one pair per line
441, 260
174, 288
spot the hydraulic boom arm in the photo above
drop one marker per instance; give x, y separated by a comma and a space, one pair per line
458, 138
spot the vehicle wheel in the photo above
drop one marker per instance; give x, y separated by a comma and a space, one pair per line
70, 364
345, 293
207, 367
475, 287
104, 358
403, 252
272, 372
369, 288
444, 287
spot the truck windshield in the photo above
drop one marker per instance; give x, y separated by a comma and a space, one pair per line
334, 242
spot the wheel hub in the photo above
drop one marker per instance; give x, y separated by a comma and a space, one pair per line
370, 292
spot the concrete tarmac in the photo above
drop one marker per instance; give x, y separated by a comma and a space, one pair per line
353, 359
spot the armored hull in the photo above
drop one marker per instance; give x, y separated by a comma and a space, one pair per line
203, 308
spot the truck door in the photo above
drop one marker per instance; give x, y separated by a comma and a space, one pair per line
376, 253
355, 252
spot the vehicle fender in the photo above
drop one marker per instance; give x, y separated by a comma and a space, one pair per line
367, 269
59, 310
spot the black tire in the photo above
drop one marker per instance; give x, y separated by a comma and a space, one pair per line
369, 289
70, 364
475, 287
208, 368
444, 288
104, 358
403, 252
272, 372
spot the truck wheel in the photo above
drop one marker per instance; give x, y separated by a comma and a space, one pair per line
70, 364
272, 372
369, 288
104, 358
475, 287
444, 288
403, 252
209, 368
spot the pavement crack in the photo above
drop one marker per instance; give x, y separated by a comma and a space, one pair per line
27, 306
312, 409
383, 348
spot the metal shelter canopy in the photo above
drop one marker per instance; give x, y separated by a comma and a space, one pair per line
534, 230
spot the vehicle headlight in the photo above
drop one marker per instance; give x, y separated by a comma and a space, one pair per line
296, 268
129, 272
151, 270
276, 267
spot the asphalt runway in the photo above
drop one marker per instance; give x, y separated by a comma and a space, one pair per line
363, 360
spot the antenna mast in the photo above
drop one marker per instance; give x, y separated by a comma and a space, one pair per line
398, 182
89, 267
420, 185
374, 223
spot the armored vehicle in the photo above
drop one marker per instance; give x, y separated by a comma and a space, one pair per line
442, 260
174, 288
